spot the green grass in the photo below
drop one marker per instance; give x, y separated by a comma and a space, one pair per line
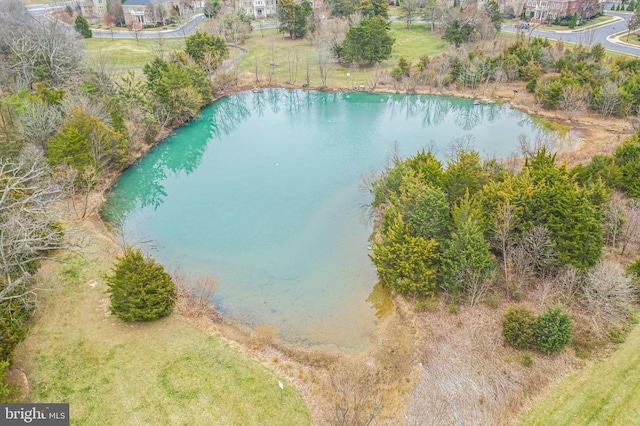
599, 21
416, 42
606, 393
273, 47
127, 52
164, 372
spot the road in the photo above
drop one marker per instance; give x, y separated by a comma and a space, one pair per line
585, 37
39, 12
591, 37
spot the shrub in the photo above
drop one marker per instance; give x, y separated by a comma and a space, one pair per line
608, 295
519, 326
531, 85
140, 288
553, 330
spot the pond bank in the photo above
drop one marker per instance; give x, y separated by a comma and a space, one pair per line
393, 347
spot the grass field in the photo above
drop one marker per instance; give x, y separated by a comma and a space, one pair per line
164, 372
127, 52
267, 46
607, 393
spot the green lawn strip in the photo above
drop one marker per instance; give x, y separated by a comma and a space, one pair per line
128, 52
594, 23
605, 393
162, 372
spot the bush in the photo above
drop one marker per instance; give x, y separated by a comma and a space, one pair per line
553, 330
140, 288
519, 326
531, 85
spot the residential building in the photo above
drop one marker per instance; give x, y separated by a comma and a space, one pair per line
261, 9
258, 9
541, 11
93, 9
149, 12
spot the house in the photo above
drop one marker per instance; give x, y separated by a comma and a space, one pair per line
93, 9
150, 12
259, 9
547, 10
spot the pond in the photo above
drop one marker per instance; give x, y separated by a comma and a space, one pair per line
264, 192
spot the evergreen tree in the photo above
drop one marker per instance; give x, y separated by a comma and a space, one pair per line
492, 9
553, 330
466, 261
574, 20
82, 27
140, 288
457, 31
464, 174
211, 8
69, 147
405, 263
202, 45
429, 218
293, 18
367, 43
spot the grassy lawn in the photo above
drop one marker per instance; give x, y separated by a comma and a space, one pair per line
128, 52
416, 42
164, 372
606, 393
268, 47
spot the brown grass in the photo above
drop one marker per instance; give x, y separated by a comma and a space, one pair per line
468, 374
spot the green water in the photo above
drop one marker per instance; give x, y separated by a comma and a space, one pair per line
263, 192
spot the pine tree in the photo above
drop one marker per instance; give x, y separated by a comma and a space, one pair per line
69, 147
466, 261
140, 288
82, 27
405, 263
553, 330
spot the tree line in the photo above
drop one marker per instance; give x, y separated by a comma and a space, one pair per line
64, 129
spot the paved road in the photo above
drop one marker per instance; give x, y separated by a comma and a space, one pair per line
591, 37
585, 37
39, 11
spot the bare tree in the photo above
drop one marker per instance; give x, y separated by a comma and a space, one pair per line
292, 65
326, 63
630, 232
503, 238
632, 24
409, 10
614, 216
608, 295
572, 100
27, 231
356, 395
40, 122
32, 51
609, 99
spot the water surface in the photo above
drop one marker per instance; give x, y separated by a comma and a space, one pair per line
263, 192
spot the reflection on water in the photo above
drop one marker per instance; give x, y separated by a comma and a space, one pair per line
263, 193
380, 301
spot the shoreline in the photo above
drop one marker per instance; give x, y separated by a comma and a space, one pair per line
399, 327
588, 129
